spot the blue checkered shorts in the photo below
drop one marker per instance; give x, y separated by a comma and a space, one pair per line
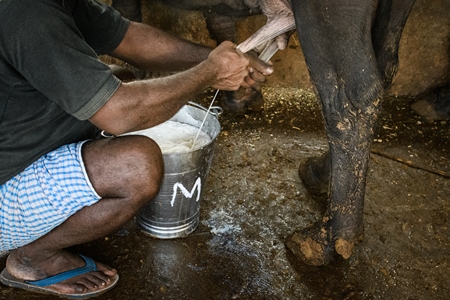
43, 196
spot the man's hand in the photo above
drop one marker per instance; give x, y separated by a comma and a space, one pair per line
233, 69
258, 69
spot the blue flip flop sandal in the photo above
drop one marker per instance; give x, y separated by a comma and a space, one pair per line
41, 286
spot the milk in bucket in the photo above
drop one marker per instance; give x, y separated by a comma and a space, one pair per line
174, 137
175, 211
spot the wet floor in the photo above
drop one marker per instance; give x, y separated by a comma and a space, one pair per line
253, 199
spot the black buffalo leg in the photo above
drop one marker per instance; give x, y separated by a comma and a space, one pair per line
336, 40
345, 60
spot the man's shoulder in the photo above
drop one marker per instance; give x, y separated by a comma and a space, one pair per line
4, 5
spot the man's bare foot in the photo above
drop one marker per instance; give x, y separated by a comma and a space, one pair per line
29, 269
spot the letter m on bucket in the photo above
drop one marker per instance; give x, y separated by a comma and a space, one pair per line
188, 194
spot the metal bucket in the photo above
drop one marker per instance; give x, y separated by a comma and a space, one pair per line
175, 212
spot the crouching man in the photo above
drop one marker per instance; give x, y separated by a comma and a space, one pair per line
58, 186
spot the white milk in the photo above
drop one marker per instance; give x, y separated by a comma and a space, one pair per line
173, 137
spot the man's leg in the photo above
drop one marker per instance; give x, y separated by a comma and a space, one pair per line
126, 172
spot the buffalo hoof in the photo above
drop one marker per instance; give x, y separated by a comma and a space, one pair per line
315, 174
434, 106
315, 246
242, 101
312, 245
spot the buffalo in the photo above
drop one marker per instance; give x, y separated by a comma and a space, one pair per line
351, 50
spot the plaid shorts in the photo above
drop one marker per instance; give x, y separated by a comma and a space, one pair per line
43, 196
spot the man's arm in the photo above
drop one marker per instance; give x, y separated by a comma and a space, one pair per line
143, 104
150, 48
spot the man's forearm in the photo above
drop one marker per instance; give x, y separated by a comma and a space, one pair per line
150, 48
145, 103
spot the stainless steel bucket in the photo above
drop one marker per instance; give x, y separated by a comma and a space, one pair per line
175, 212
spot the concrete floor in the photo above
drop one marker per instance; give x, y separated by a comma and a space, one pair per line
254, 199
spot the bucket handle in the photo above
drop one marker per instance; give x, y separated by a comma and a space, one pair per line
215, 110
106, 134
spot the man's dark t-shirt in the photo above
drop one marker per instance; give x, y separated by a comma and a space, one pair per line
51, 80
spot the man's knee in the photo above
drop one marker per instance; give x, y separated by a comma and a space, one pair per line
125, 167
143, 166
